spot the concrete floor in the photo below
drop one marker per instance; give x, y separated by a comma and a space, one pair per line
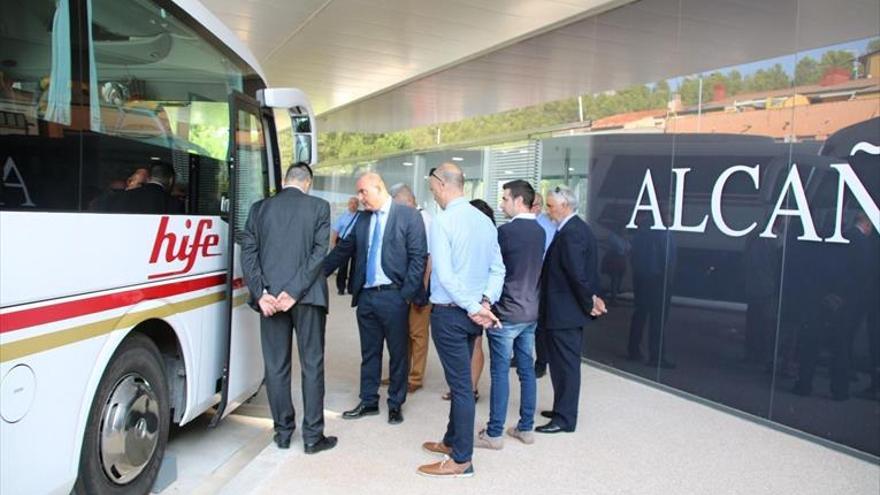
632, 438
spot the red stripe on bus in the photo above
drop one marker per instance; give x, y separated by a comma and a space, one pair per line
54, 312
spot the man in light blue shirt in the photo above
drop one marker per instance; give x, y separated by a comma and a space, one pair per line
540, 335
467, 278
341, 229
543, 220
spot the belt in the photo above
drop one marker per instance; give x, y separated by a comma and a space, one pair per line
384, 287
445, 305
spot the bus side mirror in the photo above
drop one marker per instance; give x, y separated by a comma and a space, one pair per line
302, 119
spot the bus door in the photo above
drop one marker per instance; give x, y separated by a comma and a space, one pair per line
249, 181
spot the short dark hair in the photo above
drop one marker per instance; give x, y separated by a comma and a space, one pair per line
162, 172
299, 171
521, 189
485, 208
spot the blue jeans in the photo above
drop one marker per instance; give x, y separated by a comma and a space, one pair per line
518, 339
454, 334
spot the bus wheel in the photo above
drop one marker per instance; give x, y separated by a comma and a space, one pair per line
128, 423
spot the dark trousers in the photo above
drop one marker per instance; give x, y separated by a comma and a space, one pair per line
454, 334
564, 346
651, 305
383, 317
837, 331
342, 275
541, 350
277, 339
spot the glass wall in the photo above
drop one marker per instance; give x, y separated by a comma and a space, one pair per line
735, 206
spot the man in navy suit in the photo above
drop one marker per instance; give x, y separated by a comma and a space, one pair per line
389, 249
569, 284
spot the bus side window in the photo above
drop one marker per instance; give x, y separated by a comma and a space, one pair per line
159, 91
39, 141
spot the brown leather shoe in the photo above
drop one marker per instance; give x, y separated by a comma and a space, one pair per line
437, 448
447, 468
412, 387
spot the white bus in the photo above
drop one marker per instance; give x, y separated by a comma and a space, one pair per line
116, 322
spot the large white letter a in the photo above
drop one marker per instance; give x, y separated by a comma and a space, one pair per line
652, 206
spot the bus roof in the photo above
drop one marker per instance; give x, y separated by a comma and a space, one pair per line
204, 16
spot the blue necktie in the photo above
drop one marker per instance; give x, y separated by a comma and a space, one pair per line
373, 253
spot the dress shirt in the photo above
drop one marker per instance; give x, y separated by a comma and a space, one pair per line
565, 221
344, 224
549, 229
465, 257
381, 215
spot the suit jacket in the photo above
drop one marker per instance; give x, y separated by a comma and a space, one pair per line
149, 198
283, 245
569, 277
404, 250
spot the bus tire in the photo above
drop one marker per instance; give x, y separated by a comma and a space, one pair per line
128, 423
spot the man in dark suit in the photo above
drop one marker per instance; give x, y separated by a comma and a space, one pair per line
283, 246
154, 196
388, 247
569, 284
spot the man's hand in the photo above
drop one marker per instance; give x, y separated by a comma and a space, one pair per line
284, 302
599, 308
267, 304
485, 318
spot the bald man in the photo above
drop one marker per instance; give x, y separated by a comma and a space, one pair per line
388, 247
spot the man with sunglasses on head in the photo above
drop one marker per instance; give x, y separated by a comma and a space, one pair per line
282, 252
467, 278
569, 288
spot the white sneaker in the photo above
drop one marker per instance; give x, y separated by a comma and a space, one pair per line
484, 441
525, 437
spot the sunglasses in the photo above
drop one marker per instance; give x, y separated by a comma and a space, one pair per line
432, 173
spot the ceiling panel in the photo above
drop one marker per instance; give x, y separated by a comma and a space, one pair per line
379, 65
338, 51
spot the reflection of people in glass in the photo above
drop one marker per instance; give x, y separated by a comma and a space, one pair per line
848, 276
864, 295
762, 258
614, 261
653, 263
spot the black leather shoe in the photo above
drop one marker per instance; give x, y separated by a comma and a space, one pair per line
395, 417
282, 441
552, 427
325, 443
547, 414
360, 411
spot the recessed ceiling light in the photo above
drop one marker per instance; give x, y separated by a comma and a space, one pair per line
508, 172
407, 164
570, 169
457, 159
155, 158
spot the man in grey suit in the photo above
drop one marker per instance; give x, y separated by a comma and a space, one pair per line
388, 247
283, 245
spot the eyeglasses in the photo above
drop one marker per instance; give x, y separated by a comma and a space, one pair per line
432, 174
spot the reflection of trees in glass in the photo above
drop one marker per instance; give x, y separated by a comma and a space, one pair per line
209, 127
342, 146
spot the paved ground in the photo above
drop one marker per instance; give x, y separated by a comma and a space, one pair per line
632, 439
